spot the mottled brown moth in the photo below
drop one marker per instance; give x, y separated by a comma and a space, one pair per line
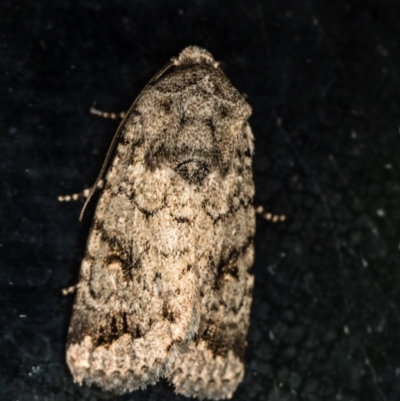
165, 286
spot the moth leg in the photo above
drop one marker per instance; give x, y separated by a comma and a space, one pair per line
85, 193
80, 195
68, 290
106, 114
269, 216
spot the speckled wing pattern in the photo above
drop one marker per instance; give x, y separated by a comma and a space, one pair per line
165, 287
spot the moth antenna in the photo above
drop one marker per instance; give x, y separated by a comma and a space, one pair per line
117, 135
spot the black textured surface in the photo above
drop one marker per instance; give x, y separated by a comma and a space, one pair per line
323, 80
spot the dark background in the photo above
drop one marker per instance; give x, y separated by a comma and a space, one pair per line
323, 80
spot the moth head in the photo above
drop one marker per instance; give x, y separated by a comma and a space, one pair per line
193, 119
194, 55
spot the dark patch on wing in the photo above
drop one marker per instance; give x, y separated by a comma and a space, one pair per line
167, 313
228, 265
193, 171
221, 338
114, 327
120, 252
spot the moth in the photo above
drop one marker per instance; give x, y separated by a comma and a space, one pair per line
165, 286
